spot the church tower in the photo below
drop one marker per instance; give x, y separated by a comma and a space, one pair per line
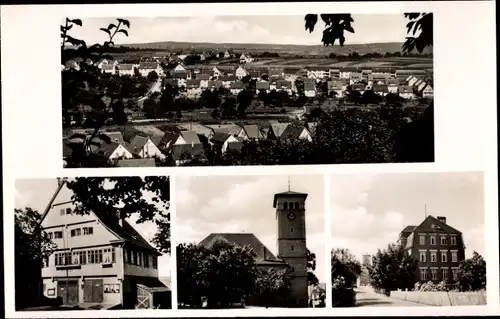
291, 222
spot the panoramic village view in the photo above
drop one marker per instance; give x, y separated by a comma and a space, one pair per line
421, 245
241, 94
76, 249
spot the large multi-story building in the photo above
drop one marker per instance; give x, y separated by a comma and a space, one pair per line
99, 259
438, 247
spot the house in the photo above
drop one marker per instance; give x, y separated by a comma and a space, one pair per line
392, 85
284, 86
437, 246
296, 132
290, 71
262, 87
112, 151
203, 78
227, 80
199, 129
355, 77
420, 85
71, 65
406, 92
255, 74
126, 69
193, 88
334, 73
309, 89
214, 85
226, 142
108, 68
236, 87
216, 72
245, 58
411, 80
241, 72
428, 92
318, 72
335, 88
147, 67
227, 55
143, 147
276, 71
276, 130
99, 258
170, 81
380, 89
404, 74
379, 78
358, 87
103, 62
181, 78
345, 73
250, 132
180, 68
195, 69
227, 70
231, 129
184, 153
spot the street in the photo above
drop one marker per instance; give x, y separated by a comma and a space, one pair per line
366, 297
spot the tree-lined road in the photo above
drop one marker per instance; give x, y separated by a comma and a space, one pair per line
366, 297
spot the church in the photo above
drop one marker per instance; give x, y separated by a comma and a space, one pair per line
291, 243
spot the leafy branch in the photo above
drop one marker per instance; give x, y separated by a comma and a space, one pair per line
335, 25
422, 23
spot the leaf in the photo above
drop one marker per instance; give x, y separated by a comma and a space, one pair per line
124, 32
111, 26
311, 20
73, 41
124, 22
105, 30
409, 25
349, 28
77, 22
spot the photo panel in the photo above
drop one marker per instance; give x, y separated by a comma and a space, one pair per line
251, 242
247, 90
408, 239
92, 243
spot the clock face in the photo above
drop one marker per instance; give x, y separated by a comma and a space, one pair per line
291, 216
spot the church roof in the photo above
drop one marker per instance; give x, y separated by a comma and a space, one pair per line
263, 254
288, 194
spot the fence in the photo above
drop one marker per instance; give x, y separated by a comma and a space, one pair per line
442, 298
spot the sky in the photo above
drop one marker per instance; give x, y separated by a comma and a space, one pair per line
369, 28
36, 193
369, 211
245, 204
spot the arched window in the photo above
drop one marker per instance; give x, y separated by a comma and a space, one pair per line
296, 205
291, 205
285, 205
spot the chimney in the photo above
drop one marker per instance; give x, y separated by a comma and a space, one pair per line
442, 219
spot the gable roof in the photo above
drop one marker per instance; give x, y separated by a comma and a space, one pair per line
292, 132
220, 136
188, 150
116, 137
137, 144
252, 131
202, 76
279, 128
191, 137
262, 86
148, 65
263, 254
125, 67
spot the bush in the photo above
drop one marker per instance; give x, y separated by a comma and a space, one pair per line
431, 286
342, 294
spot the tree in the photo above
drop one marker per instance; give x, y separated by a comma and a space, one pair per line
83, 85
471, 273
272, 285
311, 267
210, 99
222, 272
228, 107
152, 77
244, 100
337, 24
393, 268
344, 271
105, 194
192, 59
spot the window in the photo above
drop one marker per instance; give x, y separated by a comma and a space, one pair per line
68, 211
99, 256
445, 274
444, 257
453, 240
422, 256
454, 256
423, 274
58, 234
296, 205
292, 247
88, 230
62, 211
107, 258
129, 256
285, 205
291, 229
134, 255
155, 262
454, 272
76, 232
433, 240
146, 261
434, 274
76, 258
433, 256
443, 240
422, 240
51, 235
139, 259
83, 257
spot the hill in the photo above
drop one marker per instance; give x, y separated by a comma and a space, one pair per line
275, 48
